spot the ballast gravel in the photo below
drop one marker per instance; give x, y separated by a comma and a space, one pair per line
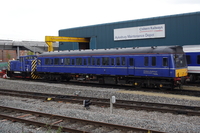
165, 122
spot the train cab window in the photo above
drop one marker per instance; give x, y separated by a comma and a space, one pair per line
198, 59
93, 61
67, 61
89, 61
98, 61
131, 62
47, 61
118, 61
20, 59
112, 61
105, 61
188, 58
73, 62
85, 61
78, 61
56, 61
165, 61
153, 61
123, 61
146, 61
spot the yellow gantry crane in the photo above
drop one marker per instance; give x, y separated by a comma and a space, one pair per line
50, 39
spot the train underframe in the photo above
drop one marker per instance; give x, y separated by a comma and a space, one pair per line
135, 81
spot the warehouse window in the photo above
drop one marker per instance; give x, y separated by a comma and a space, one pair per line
146, 61
165, 62
131, 61
56, 61
47, 61
123, 61
188, 58
153, 61
67, 61
112, 61
118, 61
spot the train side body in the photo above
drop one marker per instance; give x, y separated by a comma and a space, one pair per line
165, 62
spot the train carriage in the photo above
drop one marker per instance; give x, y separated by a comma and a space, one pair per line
160, 67
193, 61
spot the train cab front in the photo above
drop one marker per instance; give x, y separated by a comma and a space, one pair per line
181, 70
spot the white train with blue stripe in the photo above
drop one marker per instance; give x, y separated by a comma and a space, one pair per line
193, 61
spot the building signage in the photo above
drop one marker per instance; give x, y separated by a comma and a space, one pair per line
142, 32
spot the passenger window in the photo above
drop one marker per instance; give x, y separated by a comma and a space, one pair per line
112, 61
105, 61
198, 59
93, 61
67, 61
89, 61
153, 63
61, 61
118, 61
56, 61
146, 61
47, 61
165, 62
73, 62
78, 61
131, 62
123, 61
85, 62
188, 58
98, 61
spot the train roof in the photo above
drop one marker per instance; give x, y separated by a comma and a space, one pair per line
191, 48
117, 51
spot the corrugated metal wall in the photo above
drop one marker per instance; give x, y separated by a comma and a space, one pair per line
182, 29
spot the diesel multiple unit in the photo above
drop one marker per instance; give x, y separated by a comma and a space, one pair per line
159, 67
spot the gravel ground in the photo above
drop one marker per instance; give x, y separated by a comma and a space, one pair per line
165, 122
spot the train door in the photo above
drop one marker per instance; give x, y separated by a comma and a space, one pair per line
165, 65
22, 64
131, 66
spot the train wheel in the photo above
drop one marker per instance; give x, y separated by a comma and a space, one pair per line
180, 86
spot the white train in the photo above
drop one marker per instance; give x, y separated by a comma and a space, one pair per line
193, 61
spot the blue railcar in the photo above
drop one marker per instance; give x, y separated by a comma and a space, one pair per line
22, 67
159, 67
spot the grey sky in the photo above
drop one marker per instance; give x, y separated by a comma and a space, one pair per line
34, 19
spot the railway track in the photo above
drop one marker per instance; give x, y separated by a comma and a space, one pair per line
177, 91
169, 108
63, 123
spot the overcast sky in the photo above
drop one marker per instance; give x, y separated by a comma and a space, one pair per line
32, 20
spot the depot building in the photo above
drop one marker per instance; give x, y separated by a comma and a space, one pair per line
181, 29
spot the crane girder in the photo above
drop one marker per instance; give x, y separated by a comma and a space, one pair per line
50, 39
